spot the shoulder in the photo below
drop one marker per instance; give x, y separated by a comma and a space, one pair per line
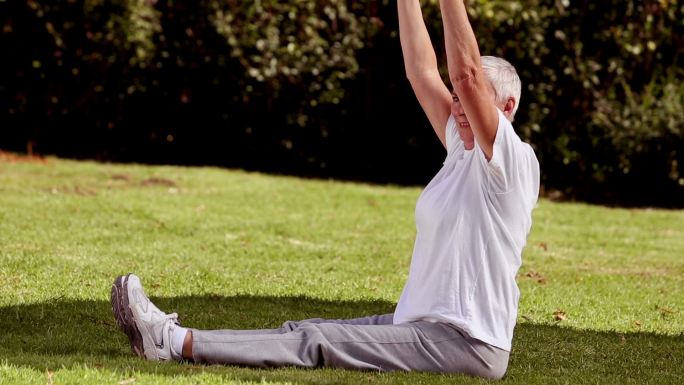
513, 162
508, 143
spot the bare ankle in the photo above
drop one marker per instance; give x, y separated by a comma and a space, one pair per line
187, 346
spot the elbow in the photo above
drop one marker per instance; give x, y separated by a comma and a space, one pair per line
412, 72
412, 76
464, 72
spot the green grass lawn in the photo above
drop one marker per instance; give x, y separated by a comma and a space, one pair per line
602, 289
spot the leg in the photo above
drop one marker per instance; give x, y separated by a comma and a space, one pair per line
288, 326
152, 332
371, 343
422, 346
385, 319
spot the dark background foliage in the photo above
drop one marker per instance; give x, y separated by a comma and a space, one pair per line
318, 88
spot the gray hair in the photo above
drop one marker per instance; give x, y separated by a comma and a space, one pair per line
504, 78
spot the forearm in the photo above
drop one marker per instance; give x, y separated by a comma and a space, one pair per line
463, 54
419, 55
473, 89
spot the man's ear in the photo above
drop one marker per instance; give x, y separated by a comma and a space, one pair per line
508, 108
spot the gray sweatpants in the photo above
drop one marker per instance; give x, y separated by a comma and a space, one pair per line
371, 343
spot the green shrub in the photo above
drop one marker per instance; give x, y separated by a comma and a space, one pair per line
646, 129
310, 44
603, 96
301, 82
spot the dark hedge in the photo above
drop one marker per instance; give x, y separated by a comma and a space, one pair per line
318, 89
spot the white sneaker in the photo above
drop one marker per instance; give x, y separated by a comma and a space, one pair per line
148, 329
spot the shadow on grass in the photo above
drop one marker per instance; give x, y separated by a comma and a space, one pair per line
66, 333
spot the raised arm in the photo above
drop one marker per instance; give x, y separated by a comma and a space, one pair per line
420, 63
467, 77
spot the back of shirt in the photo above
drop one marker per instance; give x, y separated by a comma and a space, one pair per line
472, 222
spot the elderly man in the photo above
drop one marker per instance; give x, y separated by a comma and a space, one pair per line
459, 306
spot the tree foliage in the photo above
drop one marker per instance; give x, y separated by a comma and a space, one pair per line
302, 83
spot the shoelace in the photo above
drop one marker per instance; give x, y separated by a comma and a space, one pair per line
173, 317
158, 332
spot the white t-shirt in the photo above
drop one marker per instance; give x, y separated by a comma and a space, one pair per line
472, 222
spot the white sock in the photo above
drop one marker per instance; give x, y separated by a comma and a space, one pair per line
177, 340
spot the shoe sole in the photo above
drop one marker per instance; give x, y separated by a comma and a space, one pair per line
124, 315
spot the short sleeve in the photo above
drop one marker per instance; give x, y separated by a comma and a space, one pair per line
451, 135
513, 163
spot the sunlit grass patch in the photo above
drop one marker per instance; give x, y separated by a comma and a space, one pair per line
602, 298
